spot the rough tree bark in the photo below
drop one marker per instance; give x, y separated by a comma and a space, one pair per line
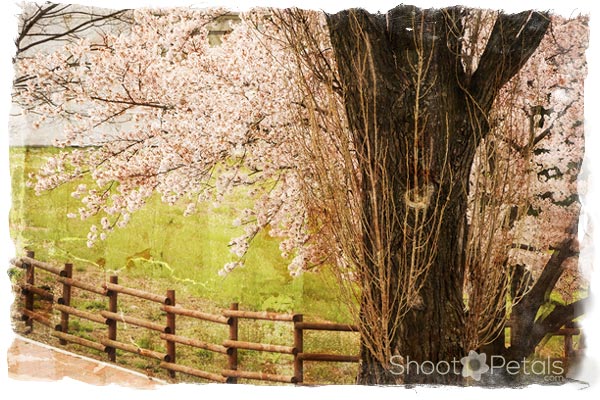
416, 119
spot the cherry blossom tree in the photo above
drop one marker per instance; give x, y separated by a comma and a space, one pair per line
547, 105
429, 157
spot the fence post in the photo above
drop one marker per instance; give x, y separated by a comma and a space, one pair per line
299, 345
67, 272
232, 353
171, 329
30, 279
112, 323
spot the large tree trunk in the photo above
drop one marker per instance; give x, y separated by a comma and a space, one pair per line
416, 120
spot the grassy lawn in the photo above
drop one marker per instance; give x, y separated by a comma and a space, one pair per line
161, 249
162, 246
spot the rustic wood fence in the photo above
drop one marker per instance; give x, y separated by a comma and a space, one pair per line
228, 318
111, 317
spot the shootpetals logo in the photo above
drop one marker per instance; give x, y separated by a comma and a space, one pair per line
474, 365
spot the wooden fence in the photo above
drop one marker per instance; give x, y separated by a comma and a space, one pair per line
229, 319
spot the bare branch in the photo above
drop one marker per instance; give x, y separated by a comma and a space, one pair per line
34, 27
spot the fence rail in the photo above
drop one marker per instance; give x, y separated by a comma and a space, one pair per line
220, 319
137, 293
262, 315
111, 318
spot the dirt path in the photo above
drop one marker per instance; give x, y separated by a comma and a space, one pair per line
30, 360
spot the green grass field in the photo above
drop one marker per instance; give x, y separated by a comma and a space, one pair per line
166, 248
